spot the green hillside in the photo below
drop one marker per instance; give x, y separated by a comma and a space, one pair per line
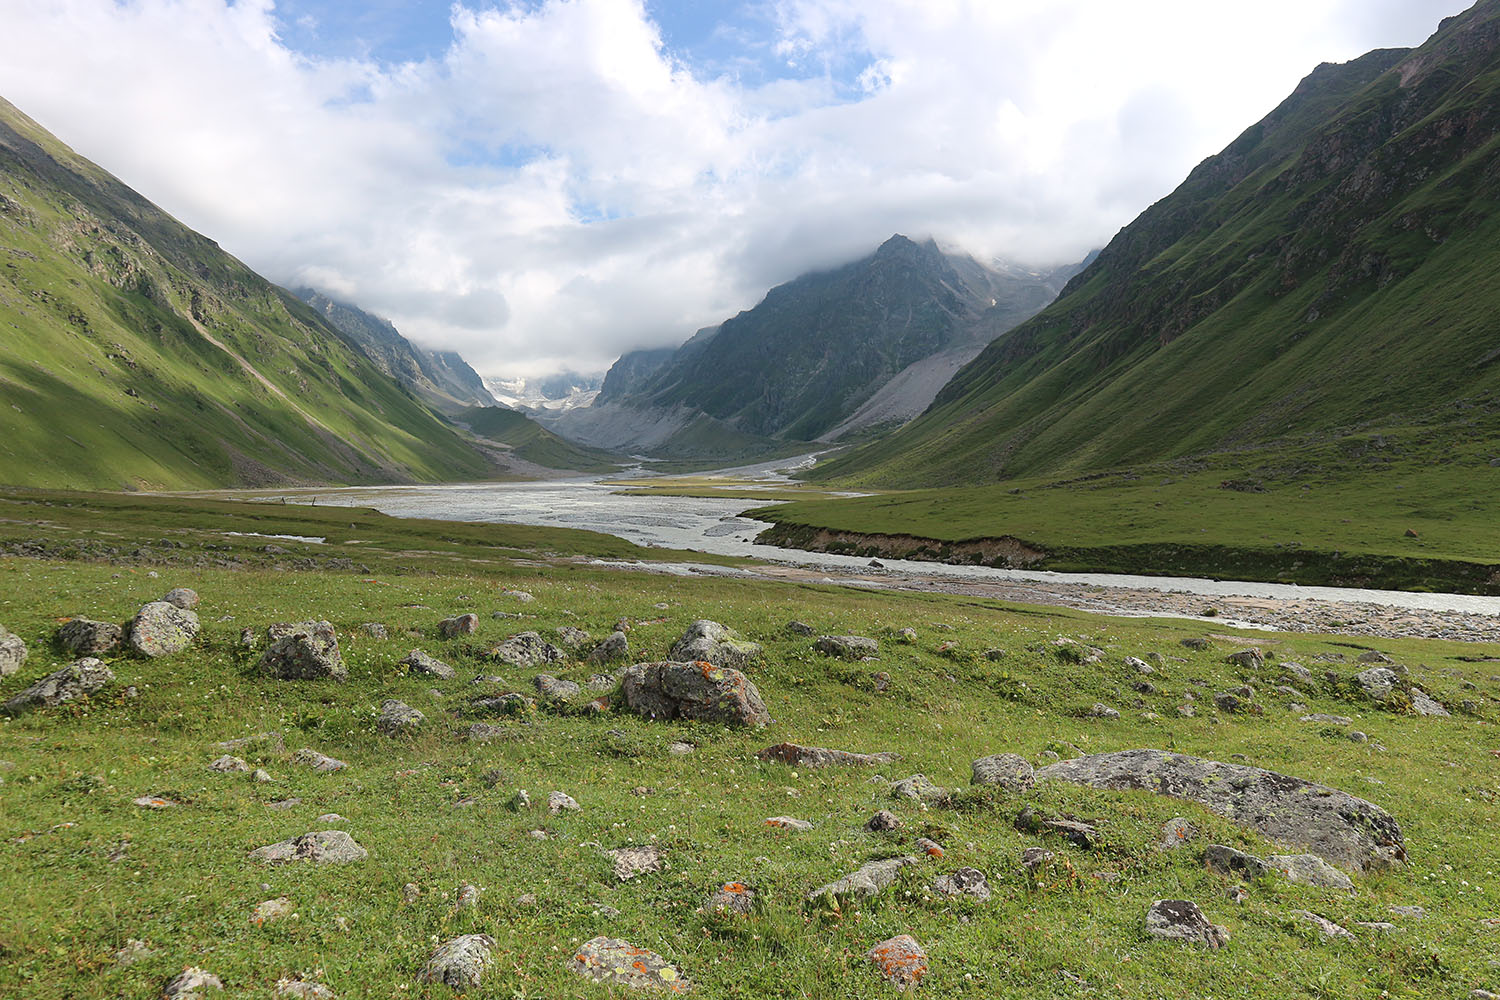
530, 441
137, 354
1335, 270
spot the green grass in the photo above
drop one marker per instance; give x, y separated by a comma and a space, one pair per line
183, 883
531, 441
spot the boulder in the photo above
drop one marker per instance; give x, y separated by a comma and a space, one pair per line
713, 643
527, 649
616, 647
964, 882
731, 897
452, 628
901, 961
870, 880
303, 651
77, 679
1309, 869
628, 862
814, 757
191, 984
81, 637
1338, 827
397, 717
317, 761
1325, 927
460, 962
12, 652
418, 662
883, 822
573, 638
554, 690
1007, 770
161, 629
1229, 861
182, 597
847, 647
228, 764
329, 847
698, 691
1182, 921
619, 963
920, 788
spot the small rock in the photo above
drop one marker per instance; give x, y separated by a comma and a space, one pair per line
303, 651
573, 638
527, 649
468, 895
79, 637
328, 819
964, 882
799, 628
708, 641
410, 892
316, 761
452, 628
181, 597
153, 802
1006, 770
630, 862
681, 748
12, 652
1373, 656
615, 647
883, 821
788, 823
1196, 643
869, 880
1035, 857
271, 911
1309, 869
519, 595
323, 847
994, 655
1327, 720
553, 690
133, 952
880, 681
1246, 659
460, 962
397, 717
1327, 928
561, 802
191, 984
1102, 711
1410, 912
930, 847
1181, 920
418, 662
1177, 832
1139, 666
908, 635
261, 776
1229, 861
815, 757
228, 765
848, 647
919, 788
76, 680
901, 961
698, 691
162, 629
732, 897
610, 960
1379, 926
375, 630
299, 989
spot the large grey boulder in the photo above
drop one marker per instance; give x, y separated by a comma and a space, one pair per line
711, 642
1182, 921
616, 647
329, 847
459, 963
452, 628
161, 629
698, 691
77, 679
869, 880
1338, 827
82, 637
847, 647
813, 757
527, 649
397, 717
303, 651
12, 652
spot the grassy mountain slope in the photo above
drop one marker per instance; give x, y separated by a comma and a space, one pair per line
532, 442
1337, 268
138, 354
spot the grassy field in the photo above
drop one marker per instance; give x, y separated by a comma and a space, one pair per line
84, 869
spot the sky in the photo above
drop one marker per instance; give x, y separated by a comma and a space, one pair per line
546, 184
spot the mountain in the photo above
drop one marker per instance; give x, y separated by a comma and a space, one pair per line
137, 354
1333, 275
442, 379
821, 356
523, 446
559, 391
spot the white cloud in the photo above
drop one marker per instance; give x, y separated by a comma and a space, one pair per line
557, 187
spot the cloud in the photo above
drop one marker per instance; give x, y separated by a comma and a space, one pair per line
560, 185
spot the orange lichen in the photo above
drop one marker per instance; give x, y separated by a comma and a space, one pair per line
735, 887
934, 851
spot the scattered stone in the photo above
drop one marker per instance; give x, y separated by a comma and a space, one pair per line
1073, 651
300, 989
1006, 770
561, 802
1372, 656
901, 961
1424, 704
799, 628
630, 862
468, 895
1035, 857
847, 647
681, 748
930, 847
1233, 703
460, 962
1379, 926
316, 761
814, 757
375, 630
881, 681
322, 847
79, 637
282, 805
732, 897
610, 960
698, 691
1327, 720
303, 651
616, 647
270, 911
1327, 928
1186, 711
869, 880
1411, 912
994, 655
1229, 861
1139, 666
788, 823
964, 882
920, 789
12, 652
1196, 643
1309, 869
78, 679
133, 952
153, 802
554, 690
410, 892
510, 704
1077, 832
229, 765
527, 649
181, 597
1236, 894
330, 818
519, 595
1181, 920
418, 662
908, 635
262, 744
883, 821
1336, 826
573, 638
452, 628
711, 642
162, 629
191, 984
1177, 832
521, 801
1103, 711
1246, 659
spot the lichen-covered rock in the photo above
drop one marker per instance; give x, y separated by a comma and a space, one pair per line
964, 882
847, 647
76, 680
375, 630
1181, 920
799, 628
901, 961
182, 597
162, 629
1309, 869
615, 962
81, 637
330, 847
1338, 827
317, 761
451, 628
303, 651
615, 647
884, 821
632, 861
558, 802
459, 963
551, 689
698, 691
1007, 770
731, 897
527, 649
1246, 659
813, 757
789, 823
713, 643
1325, 927
573, 638
300, 989
271, 910
1176, 832
229, 764
12, 652
920, 788
398, 717
191, 984
869, 880
1230, 861
418, 662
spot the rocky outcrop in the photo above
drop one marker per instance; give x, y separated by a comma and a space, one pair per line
1338, 827
698, 691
